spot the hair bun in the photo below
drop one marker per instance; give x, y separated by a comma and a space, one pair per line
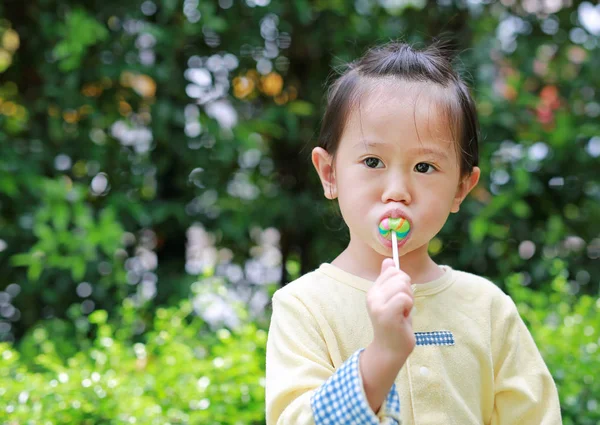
445, 45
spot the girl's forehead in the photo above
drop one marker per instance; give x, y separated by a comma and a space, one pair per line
395, 96
399, 111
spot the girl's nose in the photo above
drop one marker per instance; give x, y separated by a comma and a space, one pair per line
397, 189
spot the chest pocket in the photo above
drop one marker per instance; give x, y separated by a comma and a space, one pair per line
434, 338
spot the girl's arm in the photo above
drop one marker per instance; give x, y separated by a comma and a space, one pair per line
302, 386
524, 391
378, 370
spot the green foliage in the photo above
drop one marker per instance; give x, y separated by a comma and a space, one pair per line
68, 235
566, 328
79, 32
177, 371
107, 90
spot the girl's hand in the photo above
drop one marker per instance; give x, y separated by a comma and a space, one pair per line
389, 302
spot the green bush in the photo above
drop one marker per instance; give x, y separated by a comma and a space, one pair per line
92, 370
566, 328
98, 371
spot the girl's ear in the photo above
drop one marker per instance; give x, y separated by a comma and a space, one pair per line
466, 184
323, 163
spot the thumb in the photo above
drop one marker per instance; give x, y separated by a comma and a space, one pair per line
386, 264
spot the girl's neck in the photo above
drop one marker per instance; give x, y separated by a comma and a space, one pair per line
363, 262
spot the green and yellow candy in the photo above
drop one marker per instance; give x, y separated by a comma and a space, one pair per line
399, 225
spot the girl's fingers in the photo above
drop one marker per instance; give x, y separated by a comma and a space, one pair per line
395, 284
384, 277
389, 291
386, 264
388, 273
391, 282
401, 303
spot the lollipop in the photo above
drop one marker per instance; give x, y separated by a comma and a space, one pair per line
400, 226
394, 229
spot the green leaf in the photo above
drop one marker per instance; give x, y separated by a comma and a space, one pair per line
478, 229
21, 260
80, 31
35, 270
61, 216
521, 209
43, 231
98, 317
300, 107
78, 267
561, 134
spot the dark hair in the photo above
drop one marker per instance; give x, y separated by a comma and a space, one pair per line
404, 63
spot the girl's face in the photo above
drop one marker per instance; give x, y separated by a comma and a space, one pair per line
396, 158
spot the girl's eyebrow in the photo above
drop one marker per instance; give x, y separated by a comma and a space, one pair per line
438, 153
369, 144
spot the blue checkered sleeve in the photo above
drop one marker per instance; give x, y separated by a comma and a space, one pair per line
341, 400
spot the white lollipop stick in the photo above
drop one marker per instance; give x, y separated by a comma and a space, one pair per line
397, 262
395, 250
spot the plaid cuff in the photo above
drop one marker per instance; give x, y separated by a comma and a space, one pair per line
341, 400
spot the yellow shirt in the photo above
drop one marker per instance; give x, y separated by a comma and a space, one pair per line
493, 374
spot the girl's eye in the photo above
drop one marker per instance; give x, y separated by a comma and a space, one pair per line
423, 167
372, 162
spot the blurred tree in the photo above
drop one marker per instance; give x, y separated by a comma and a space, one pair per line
177, 112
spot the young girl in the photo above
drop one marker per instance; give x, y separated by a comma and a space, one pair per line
399, 139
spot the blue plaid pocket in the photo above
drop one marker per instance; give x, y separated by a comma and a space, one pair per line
435, 338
